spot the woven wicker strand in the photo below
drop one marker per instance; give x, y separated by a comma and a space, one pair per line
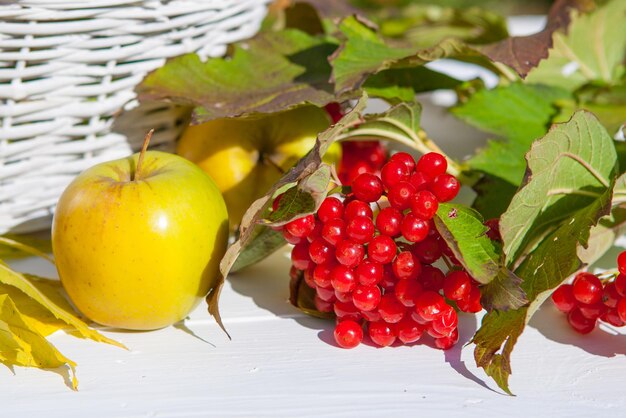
67, 74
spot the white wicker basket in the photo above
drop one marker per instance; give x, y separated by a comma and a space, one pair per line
68, 66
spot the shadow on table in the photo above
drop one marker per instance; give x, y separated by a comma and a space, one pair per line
267, 284
603, 341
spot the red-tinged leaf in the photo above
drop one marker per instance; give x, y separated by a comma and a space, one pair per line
523, 53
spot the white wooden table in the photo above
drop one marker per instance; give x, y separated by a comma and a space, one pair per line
281, 363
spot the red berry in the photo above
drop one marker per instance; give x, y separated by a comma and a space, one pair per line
367, 187
427, 251
472, 303
429, 305
447, 322
432, 164
424, 204
371, 316
308, 276
360, 229
432, 278
382, 249
369, 273
343, 296
593, 311
420, 181
388, 221
563, 298
354, 171
409, 331
579, 322
334, 231
346, 310
334, 111
406, 292
610, 297
291, 239
322, 305
331, 208
620, 284
445, 187
327, 295
406, 266
317, 231
612, 317
621, 309
401, 194
394, 172
357, 208
405, 158
300, 256
445, 343
587, 288
321, 252
390, 309
382, 333
457, 285
389, 279
413, 228
621, 262
366, 298
321, 274
349, 253
301, 227
348, 334
343, 278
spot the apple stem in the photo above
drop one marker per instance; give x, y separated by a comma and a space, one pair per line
144, 148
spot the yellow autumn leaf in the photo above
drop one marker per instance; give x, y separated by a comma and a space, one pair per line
19, 281
32, 244
34, 314
26, 346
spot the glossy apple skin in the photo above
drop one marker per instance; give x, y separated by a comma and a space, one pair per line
246, 156
139, 254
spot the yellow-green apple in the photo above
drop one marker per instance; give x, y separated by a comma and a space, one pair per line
137, 241
246, 156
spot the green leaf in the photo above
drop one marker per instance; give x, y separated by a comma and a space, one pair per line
428, 24
504, 292
518, 113
271, 72
567, 189
570, 169
493, 196
404, 83
608, 104
463, 230
303, 198
365, 52
592, 50
265, 242
499, 331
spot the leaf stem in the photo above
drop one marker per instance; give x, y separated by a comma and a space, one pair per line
144, 148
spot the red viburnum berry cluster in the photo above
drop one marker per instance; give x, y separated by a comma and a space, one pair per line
357, 157
589, 299
374, 271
